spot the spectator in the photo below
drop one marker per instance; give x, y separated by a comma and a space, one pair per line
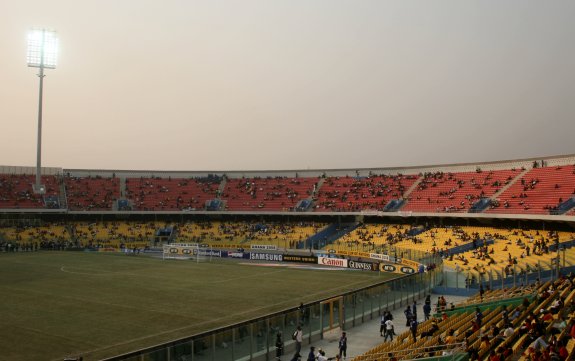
413, 329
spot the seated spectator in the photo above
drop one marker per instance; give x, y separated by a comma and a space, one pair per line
539, 343
546, 316
508, 331
485, 344
494, 356
433, 329
516, 313
450, 339
556, 306
558, 326
563, 352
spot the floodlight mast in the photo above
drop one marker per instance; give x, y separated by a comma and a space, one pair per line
42, 53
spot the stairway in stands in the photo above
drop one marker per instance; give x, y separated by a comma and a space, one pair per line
507, 186
408, 192
62, 199
307, 204
330, 234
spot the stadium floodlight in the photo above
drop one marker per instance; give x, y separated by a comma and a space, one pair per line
43, 54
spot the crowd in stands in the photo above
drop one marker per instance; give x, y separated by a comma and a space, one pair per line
281, 234
535, 323
91, 193
371, 237
269, 193
171, 194
512, 252
488, 246
115, 234
32, 238
16, 191
457, 192
352, 194
478, 253
539, 190
505, 251
120, 234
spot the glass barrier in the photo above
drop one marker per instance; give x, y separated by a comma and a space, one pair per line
258, 339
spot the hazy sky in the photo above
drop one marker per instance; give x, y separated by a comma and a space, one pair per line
228, 85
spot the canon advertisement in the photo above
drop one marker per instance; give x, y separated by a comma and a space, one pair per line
334, 262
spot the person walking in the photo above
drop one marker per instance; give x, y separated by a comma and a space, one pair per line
298, 338
428, 300
389, 331
279, 345
478, 316
413, 329
343, 345
407, 313
427, 310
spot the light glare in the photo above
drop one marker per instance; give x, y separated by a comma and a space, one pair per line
42, 48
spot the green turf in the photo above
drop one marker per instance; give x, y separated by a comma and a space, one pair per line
55, 304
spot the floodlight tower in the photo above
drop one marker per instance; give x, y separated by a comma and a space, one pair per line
42, 54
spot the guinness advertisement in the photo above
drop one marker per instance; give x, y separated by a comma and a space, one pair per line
366, 266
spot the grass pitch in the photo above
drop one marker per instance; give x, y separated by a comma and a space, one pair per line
56, 304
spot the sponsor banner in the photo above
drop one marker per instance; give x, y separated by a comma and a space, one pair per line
180, 250
334, 262
227, 246
266, 247
382, 257
266, 256
107, 249
232, 254
210, 253
410, 263
408, 270
300, 259
366, 266
354, 254
386, 267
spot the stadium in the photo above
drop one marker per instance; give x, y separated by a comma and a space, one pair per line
281, 180
97, 247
